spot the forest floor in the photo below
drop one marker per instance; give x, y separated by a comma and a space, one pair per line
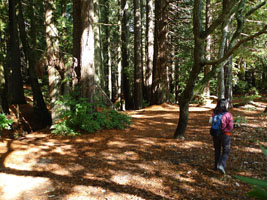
142, 162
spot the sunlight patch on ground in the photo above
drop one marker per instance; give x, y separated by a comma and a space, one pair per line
190, 144
199, 109
22, 187
137, 116
145, 167
252, 150
144, 141
117, 144
128, 179
216, 181
80, 192
184, 179
129, 155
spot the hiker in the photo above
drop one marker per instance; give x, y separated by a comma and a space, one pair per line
221, 136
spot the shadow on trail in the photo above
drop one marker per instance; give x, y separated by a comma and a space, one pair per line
142, 161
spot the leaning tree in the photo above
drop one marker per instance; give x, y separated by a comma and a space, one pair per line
238, 12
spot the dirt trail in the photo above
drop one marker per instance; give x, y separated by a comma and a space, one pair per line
142, 162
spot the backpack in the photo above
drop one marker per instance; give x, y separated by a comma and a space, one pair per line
215, 129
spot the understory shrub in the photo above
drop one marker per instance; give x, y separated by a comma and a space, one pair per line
5, 123
76, 116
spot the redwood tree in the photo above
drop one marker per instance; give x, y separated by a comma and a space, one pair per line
160, 90
16, 91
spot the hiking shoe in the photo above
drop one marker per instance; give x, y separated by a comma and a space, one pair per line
221, 168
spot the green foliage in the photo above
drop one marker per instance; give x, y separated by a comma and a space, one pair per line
238, 120
5, 123
79, 115
259, 186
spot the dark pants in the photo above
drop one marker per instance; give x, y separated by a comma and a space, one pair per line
222, 145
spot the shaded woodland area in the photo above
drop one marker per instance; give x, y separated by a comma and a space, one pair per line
129, 81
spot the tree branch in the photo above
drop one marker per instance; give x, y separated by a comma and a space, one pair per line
224, 15
255, 8
237, 45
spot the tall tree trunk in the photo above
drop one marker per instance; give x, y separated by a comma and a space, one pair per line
76, 71
2, 85
138, 94
149, 48
38, 100
119, 55
107, 55
160, 90
2, 72
187, 94
222, 49
228, 82
98, 53
125, 55
52, 51
87, 50
206, 91
16, 90
3, 76
66, 70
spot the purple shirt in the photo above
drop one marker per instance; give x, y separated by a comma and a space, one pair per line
227, 122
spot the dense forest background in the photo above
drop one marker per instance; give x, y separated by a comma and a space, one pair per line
128, 54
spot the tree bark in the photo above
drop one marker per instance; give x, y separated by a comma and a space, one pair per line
228, 82
222, 49
98, 53
138, 93
187, 95
52, 56
87, 50
160, 90
38, 100
119, 53
107, 52
149, 48
16, 91
76, 70
126, 89
208, 46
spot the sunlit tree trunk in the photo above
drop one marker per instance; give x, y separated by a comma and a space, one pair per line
138, 93
98, 53
149, 48
76, 68
66, 69
107, 51
125, 55
206, 91
52, 51
87, 50
222, 49
16, 91
160, 90
119, 69
228, 82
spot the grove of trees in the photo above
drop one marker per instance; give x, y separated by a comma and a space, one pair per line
133, 53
